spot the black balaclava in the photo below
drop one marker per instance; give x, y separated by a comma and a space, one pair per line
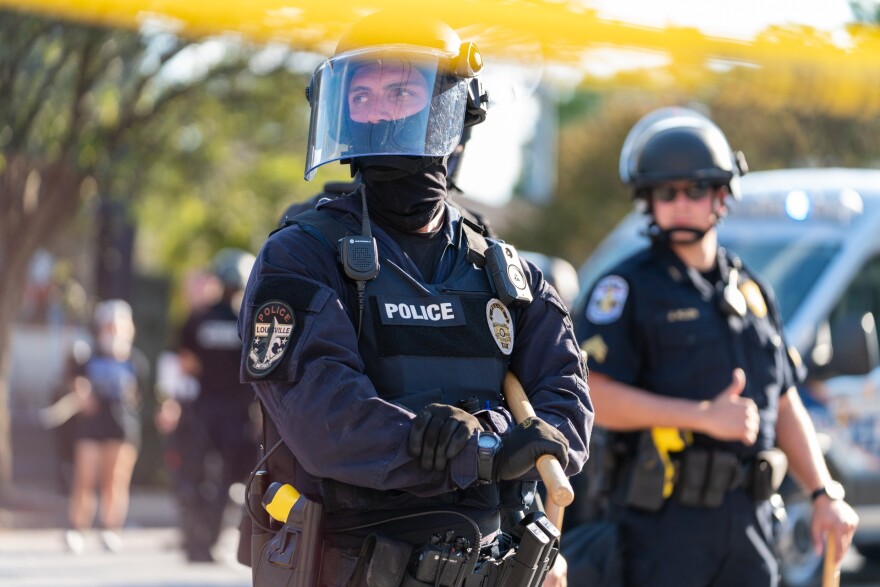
404, 192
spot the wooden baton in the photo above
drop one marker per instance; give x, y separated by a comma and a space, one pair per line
830, 572
559, 489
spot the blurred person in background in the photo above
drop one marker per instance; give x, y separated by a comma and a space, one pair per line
558, 272
214, 429
106, 428
690, 372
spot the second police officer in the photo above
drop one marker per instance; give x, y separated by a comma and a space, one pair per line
215, 437
689, 370
379, 357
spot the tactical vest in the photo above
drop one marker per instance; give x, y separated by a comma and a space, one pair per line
425, 343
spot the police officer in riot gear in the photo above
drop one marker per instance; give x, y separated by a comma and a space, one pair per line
690, 370
377, 340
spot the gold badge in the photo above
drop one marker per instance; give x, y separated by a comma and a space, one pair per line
500, 325
682, 315
754, 298
596, 348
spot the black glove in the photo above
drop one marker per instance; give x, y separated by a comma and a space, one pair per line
524, 444
439, 433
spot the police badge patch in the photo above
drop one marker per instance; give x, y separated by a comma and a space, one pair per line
273, 324
500, 325
754, 299
607, 301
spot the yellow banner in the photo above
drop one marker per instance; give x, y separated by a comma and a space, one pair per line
838, 74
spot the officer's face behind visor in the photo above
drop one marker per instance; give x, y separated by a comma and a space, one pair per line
382, 102
382, 92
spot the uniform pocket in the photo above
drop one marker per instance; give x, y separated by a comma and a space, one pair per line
691, 356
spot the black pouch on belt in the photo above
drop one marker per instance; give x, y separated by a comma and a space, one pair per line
722, 473
692, 478
383, 561
768, 472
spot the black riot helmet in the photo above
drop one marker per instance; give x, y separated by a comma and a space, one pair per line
232, 267
672, 144
433, 77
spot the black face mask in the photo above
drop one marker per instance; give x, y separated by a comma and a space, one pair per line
403, 135
406, 193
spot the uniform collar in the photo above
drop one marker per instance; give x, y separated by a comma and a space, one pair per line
679, 272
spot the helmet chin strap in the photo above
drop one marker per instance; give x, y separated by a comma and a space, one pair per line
664, 235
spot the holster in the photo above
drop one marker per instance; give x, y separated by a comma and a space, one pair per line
292, 557
645, 477
768, 473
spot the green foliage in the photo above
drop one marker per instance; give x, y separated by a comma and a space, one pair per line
234, 162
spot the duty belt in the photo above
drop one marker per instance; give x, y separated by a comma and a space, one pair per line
704, 476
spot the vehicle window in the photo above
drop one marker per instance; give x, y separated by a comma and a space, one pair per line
862, 295
791, 268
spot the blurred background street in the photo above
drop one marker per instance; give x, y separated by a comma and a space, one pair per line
33, 552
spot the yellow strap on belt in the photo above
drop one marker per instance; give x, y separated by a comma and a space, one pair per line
668, 440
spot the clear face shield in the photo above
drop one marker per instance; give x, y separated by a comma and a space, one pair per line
385, 101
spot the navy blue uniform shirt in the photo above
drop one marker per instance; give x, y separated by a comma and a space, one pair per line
653, 323
328, 411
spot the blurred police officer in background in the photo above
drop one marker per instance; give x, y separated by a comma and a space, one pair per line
379, 357
215, 435
558, 272
690, 369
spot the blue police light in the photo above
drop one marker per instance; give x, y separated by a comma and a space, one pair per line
797, 205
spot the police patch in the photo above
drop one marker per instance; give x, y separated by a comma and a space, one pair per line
754, 299
500, 325
273, 324
607, 300
595, 348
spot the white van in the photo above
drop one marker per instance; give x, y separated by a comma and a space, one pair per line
814, 235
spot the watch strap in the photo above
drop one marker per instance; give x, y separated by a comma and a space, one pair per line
817, 493
486, 457
832, 495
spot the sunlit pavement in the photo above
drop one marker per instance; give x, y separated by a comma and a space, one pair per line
33, 552
149, 557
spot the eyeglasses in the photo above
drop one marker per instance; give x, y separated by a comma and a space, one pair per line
694, 191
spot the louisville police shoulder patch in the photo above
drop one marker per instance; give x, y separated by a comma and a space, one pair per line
607, 300
274, 322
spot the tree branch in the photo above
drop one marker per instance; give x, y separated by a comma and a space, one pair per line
10, 64
38, 101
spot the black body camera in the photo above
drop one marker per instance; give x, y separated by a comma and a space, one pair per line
506, 274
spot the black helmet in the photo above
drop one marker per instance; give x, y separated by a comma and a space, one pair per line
679, 144
232, 267
428, 59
